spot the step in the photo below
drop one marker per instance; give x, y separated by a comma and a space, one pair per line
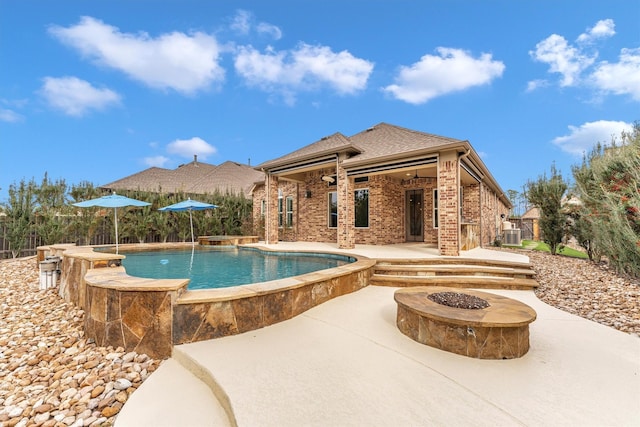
454, 269
477, 282
172, 396
454, 261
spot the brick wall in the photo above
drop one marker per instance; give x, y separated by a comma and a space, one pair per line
386, 209
258, 217
448, 195
491, 222
386, 212
471, 203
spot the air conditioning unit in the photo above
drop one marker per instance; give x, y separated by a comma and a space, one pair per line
512, 237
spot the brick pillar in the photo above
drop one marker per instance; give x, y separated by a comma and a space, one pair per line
448, 206
271, 217
346, 219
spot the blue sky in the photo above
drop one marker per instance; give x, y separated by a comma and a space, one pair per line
99, 90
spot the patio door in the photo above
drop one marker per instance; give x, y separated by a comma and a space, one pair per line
414, 216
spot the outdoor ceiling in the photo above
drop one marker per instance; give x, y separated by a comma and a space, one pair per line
427, 171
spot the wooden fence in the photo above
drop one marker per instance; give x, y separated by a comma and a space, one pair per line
103, 236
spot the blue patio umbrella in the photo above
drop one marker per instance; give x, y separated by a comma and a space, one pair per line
189, 205
114, 201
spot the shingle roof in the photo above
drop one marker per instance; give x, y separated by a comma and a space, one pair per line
533, 213
192, 178
384, 140
228, 176
328, 145
380, 141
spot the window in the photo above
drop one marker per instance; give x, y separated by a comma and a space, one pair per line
263, 208
435, 208
280, 209
361, 207
332, 211
289, 211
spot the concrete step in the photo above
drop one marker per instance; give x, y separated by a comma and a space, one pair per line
455, 261
172, 396
454, 281
452, 269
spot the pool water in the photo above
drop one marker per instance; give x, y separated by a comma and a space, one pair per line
218, 268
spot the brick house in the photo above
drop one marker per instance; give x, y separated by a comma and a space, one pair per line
384, 185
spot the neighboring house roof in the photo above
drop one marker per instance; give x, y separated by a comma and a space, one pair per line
229, 177
533, 213
192, 178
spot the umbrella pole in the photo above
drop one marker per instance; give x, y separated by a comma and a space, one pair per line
115, 219
191, 223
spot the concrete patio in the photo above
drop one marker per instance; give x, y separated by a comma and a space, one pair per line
346, 363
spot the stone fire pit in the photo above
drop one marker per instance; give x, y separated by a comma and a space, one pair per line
467, 322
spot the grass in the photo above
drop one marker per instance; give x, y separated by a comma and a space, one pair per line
565, 251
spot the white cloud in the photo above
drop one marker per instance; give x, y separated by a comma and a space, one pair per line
75, 97
157, 161
269, 30
304, 69
188, 147
622, 78
618, 78
243, 23
185, 63
584, 138
562, 58
603, 28
536, 84
10, 116
452, 70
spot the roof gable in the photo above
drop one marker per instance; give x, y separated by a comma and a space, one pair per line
331, 144
384, 141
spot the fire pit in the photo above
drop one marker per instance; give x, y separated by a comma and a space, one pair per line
471, 323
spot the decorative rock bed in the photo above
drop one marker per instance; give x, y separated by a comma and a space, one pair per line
471, 323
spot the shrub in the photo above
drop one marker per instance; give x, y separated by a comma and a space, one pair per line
547, 194
607, 183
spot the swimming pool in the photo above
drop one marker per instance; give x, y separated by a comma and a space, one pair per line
220, 268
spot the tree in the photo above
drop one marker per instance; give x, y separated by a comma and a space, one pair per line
51, 200
85, 221
547, 194
608, 184
20, 215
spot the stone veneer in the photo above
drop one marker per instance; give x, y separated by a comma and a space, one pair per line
76, 262
151, 315
500, 331
206, 314
131, 312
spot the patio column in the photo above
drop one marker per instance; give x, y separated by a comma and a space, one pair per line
346, 219
448, 204
271, 218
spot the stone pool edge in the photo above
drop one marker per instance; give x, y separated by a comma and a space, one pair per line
151, 315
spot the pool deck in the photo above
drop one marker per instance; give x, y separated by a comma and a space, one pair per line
345, 363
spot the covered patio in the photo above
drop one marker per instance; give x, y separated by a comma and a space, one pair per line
385, 185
